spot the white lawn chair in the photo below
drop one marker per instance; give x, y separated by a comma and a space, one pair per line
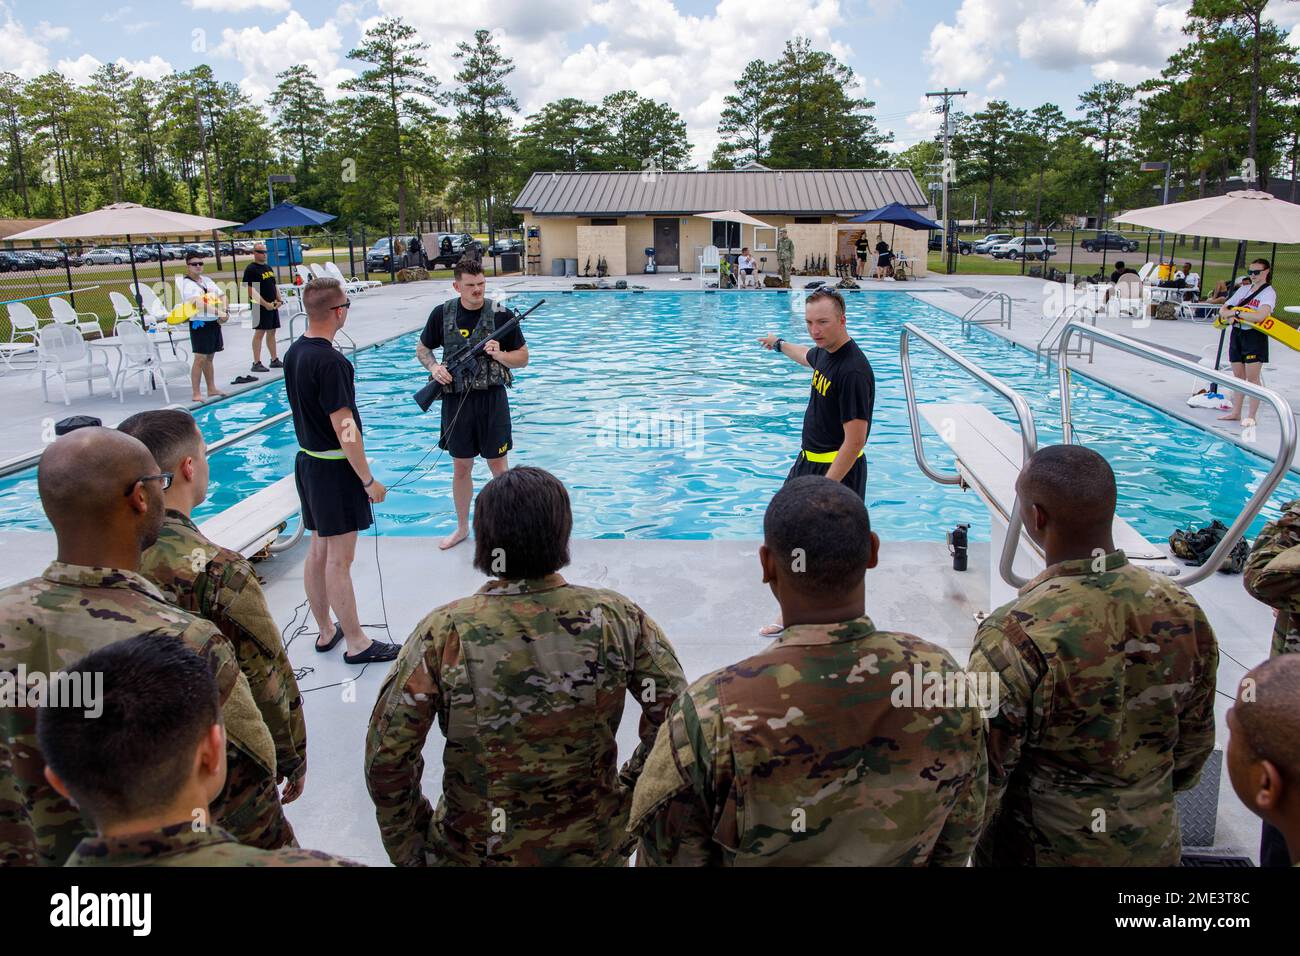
87, 323
360, 285
154, 309
22, 334
64, 354
1128, 294
1148, 272
317, 272
710, 260
303, 273
124, 311
140, 357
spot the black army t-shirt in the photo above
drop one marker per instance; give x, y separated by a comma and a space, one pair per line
318, 380
262, 276
843, 390
431, 337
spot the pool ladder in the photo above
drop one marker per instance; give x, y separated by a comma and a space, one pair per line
1082, 329
1052, 337
1003, 300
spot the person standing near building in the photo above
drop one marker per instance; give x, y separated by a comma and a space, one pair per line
335, 483
265, 301
863, 249
1248, 346
784, 256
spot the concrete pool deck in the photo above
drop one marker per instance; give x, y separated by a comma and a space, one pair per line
707, 595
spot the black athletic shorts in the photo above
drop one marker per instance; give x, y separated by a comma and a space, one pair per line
482, 428
1247, 345
333, 501
856, 479
205, 339
267, 319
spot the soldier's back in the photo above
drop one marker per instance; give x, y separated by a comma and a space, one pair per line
180, 845
1111, 674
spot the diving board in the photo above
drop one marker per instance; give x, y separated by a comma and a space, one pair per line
255, 522
989, 456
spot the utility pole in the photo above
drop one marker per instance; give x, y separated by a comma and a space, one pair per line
207, 179
948, 241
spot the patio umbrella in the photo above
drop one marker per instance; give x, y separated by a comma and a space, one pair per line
896, 214
1247, 215
126, 219
285, 216
735, 215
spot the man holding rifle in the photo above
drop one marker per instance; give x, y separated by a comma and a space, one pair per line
475, 407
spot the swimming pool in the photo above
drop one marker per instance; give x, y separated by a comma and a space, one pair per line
665, 419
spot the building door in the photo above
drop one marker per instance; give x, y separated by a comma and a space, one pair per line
666, 243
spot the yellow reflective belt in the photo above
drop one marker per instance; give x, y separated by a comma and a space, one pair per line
825, 457
332, 455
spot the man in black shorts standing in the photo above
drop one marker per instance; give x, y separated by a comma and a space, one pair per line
475, 419
264, 298
335, 484
841, 401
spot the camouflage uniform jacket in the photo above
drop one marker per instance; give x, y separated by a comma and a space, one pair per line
1106, 683
817, 751
181, 845
1273, 576
528, 680
219, 584
50, 622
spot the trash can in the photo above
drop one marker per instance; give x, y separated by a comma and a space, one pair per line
509, 262
570, 267
557, 267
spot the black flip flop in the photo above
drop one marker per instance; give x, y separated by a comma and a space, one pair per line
338, 636
378, 651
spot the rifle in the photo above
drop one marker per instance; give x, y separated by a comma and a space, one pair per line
461, 365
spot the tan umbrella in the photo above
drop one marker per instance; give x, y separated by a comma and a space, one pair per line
1243, 214
125, 219
735, 215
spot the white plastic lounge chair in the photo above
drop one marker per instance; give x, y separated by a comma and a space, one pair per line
361, 285
124, 311
64, 354
1129, 294
22, 333
140, 357
710, 261
87, 323
154, 309
303, 273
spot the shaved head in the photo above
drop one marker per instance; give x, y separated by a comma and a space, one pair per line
1270, 720
1074, 486
88, 486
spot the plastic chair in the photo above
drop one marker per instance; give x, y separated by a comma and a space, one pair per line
22, 325
360, 285
154, 308
124, 311
87, 323
64, 354
303, 273
710, 260
140, 357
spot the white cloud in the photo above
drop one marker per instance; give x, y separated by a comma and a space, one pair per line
239, 6
80, 69
112, 16
649, 46
265, 53
1285, 13
20, 52
48, 32
1117, 39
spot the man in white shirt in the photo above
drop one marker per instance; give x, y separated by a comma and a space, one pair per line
746, 265
1247, 346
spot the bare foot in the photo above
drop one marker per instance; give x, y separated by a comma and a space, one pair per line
771, 630
1230, 418
453, 539
218, 394
196, 397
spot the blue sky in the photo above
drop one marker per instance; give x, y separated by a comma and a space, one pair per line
686, 52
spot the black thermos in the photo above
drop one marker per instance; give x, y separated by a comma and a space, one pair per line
957, 546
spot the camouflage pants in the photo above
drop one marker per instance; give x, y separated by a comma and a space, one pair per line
249, 806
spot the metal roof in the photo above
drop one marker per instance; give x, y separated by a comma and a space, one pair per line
795, 191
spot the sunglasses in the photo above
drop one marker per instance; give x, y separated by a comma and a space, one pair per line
194, 264
342, 305
165, 477
1255, 272
829, 293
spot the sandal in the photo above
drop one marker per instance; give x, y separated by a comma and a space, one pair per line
377, 651
334, 642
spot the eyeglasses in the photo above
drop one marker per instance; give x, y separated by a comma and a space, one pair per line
165, 477
342, 305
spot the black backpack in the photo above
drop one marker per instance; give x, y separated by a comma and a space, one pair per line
1195, 545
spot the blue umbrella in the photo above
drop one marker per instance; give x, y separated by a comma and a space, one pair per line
286, 215
897, 214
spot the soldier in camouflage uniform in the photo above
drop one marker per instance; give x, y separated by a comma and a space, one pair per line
1263, 753
1272, 575
1106, 674
820, 749
528, 679
784, 257
146, 766
220, 585
101, 491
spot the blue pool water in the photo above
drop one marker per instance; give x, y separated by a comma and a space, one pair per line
665, 419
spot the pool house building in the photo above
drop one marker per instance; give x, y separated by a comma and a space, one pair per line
575, 217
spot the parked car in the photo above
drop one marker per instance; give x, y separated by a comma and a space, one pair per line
986, 244
102, 255
43, 259
1026, 247
377, 258
964, 246
12, 262
1109, 240
244, 246
502, 246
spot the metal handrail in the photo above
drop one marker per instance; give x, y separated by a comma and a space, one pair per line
293, 319
1286, 422
239, 436
1004, 311
1028, 434
1054, 330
